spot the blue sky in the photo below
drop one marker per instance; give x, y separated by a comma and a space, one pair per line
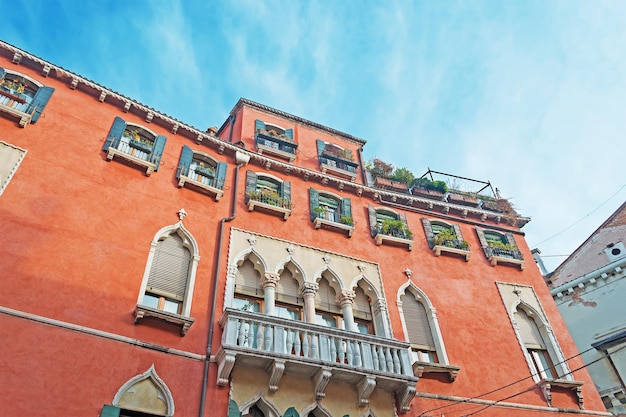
529, 95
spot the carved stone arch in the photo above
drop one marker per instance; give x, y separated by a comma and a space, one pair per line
383, 209
294, 267
440, 221
370, 290
188, 240
26, 77
270, 176
531, 312
147, 393
317, 410
264, 405
335, 281
206, 155
132, 124
410, 288
255, 257
332, 195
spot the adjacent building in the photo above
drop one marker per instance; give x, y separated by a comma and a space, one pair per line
150, 268
589, 289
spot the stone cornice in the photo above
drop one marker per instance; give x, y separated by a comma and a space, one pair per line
615, 268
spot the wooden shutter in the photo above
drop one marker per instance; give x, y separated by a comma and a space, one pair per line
313, 202
285, 190
2, 73
289, 133
510, 239
361, 306
233, 409
110, 411
291, 412
457, 232
320, 146
346, 207
247, 280
157, 151
529, 332
115, 134
416, 320
288, 290
39, 102
250, 182
170, 268
372, 216
220, 175
258, 124
184, 162
428, 229
481, 237
325, 297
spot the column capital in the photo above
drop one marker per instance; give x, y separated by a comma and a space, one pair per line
345, 297
270, 280
309, 288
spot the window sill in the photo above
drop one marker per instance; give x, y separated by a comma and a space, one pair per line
439, 249
142, 312
319, 222
276, 152
254, 204
495, 260
135, 160
548, 384
216, 193
421, 368
8, 107
338, 171
381, 238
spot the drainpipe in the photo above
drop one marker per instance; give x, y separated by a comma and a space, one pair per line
241, 159
363, 176
231, 119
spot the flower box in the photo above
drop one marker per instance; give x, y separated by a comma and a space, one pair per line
144, 147
205, 171
423, 192
387, 184
462, 200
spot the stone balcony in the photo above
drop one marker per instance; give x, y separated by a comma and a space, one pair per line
322, 354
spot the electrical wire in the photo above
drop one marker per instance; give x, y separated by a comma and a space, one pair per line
533, 387
423, 414
583, 218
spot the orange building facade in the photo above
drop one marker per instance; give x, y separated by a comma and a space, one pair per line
151, 268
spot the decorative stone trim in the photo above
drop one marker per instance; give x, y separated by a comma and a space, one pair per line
439, 249
112, 152
421, 368
142, 312
382, 238
576, 386
340, 227
216, 193
255, 204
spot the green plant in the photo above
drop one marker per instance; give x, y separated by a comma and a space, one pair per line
320, 211
14, 84
445, 235
269, 197
436, 185
346, 220
379, 168
501, 245
403, 175
395, 227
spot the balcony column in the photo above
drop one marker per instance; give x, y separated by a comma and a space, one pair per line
309, 289
270, 280
345, 299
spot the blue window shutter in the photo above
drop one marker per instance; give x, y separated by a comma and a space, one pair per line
233, 409
39, 102
115, 134
250, 182
220, 175
320, 146
285, 190
346, 207
314, 200
372, 215
259, 125
291, 412
289, 133
110, 411
2, 73
157, 151
186, 155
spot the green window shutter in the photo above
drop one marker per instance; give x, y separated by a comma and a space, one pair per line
457, 232
233, 409
220, 175
510, 239
250, 182
39, 102
115, 134
258, 124
313, 202
428, 229
285, 190
110, 411
372, 216
157, 151
291, 412
186, 155
320, 146
289, 133
346, 207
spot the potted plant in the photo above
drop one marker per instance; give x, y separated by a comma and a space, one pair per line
463, 199
430, 189
205, 170
395, 228
320, 212
346, 220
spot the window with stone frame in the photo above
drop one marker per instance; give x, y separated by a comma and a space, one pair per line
22, 96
